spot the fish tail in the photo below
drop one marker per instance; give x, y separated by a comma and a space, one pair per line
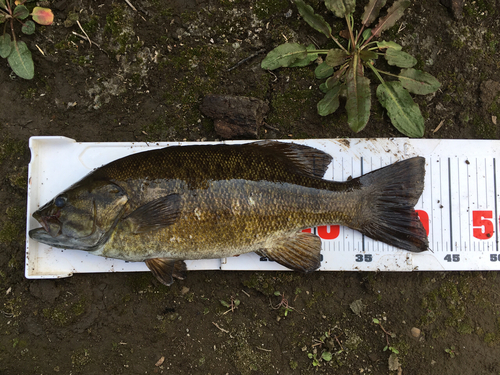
388, 213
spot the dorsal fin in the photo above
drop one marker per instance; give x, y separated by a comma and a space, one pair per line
308, 160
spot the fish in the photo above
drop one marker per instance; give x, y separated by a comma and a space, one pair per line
176, 203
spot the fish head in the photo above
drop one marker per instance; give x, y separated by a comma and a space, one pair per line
80, 217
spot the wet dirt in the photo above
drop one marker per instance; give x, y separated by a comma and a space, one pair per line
143, 78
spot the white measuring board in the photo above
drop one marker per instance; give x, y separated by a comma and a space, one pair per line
459, 205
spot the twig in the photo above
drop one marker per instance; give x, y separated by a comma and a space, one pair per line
338, 342
86, 38
439, 126
130, 5
246, 59
222, 329
265, 350
83, 31
40, 49
266, 125
248, 295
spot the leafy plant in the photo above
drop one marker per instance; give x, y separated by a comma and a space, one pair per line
16, 52
344, 67
451, 351
325, 356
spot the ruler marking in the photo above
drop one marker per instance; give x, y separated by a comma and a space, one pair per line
468, 204
432, 200
450, 208
441, 200
496, 199
486, 183
362, 235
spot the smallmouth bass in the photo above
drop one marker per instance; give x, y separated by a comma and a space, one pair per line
213, 201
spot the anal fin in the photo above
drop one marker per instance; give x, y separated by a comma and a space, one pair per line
298, 251
165, 270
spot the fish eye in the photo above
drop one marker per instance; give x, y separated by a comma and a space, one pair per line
60, 201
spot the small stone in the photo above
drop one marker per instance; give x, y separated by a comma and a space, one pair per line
357, 307
415, 332
184, 290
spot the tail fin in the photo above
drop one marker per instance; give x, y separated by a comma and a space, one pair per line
392, 193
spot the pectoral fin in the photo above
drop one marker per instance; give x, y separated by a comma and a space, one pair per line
155, 215
165, 270
299, 251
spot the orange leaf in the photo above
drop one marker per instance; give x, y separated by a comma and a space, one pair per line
43, 16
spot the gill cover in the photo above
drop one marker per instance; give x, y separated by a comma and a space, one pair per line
80, 217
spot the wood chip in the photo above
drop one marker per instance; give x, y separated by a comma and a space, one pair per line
160, 361
439, 126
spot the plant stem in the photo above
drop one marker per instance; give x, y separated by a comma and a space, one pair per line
386, 73
322, 51
349, 26
338, 43
376, 71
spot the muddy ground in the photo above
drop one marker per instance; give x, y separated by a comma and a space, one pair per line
143, 79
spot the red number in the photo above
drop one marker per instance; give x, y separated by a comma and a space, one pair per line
424, 218
482, 227
329, 232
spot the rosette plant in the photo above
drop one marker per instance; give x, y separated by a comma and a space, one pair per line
15, 51
344, 67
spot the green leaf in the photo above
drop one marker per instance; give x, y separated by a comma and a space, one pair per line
327, 356
224, 303
335, 57
394, 13
28, 28
367, 55
323, 70
341, 8
311, 57
2, 4
21, 12
20, 61
418, 82
376, 321
366, 34
283, 56
371, 11
314, 20
5, 45
3, 17
330, 102
403, 111
358, 97
390, 44
399, 58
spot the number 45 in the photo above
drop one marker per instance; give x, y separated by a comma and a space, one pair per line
452, 258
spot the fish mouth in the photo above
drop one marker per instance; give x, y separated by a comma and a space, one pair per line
61, 241
51, 225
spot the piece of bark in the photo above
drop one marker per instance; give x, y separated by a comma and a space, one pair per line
235, 116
